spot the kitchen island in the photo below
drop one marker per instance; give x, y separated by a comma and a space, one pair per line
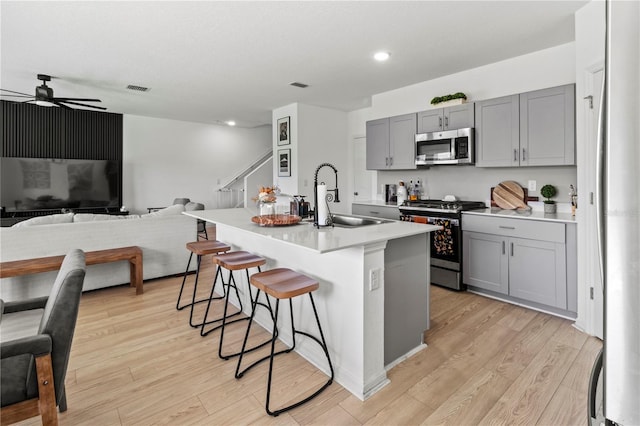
373, 300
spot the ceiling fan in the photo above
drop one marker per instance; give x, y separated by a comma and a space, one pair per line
44, 96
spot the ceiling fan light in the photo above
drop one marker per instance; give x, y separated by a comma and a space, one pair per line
45, 104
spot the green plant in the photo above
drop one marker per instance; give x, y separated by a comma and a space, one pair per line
439, 99
548, 192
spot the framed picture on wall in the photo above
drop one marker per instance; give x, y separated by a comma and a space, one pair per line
284, 162
284, 129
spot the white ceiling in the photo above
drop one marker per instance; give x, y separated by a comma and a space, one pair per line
209, 61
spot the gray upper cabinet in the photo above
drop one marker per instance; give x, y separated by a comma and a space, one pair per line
547, 127
391, 143
378, 144
498, 132
531, 129
450, 118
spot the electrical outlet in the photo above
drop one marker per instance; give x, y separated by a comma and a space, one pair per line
374, 279
533, 185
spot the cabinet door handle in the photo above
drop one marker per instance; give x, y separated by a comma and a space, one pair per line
515, 154
524, 155
373, 212
391, 161
511, 249
506, 227
503, 247
446, 122
440, 122
386, 161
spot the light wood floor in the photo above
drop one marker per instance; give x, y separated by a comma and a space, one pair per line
135, 361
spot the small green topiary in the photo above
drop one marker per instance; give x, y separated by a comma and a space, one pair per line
548, 192
439, 99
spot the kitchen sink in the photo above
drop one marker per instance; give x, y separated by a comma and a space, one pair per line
348, 221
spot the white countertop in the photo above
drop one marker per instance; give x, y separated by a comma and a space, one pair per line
305, 235
524, 214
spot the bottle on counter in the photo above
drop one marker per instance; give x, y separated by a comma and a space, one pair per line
419, 190
412, 191
401, 194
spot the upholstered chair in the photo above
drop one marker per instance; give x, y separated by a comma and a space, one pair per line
182, 201
35, 343
202, 225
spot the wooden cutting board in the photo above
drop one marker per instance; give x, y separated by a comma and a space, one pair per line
509, 195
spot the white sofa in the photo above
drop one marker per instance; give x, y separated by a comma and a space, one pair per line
161, 235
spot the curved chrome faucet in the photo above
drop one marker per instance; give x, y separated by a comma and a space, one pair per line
335, 198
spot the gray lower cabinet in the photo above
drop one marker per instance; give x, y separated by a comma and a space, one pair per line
530, 129
522, 259
391, 143
384, 212
450, 118
406, 295
486, 263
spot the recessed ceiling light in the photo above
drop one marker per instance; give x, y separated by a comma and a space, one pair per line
231, 123
381, 56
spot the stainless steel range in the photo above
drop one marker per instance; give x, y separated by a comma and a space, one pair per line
446, 244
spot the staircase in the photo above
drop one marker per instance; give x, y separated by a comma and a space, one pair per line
234, 193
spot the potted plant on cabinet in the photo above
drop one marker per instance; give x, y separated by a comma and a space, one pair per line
548, 192
452, 99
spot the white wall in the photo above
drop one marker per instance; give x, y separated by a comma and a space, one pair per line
287, 184
590, 29
166, 159
318, 135
538, 70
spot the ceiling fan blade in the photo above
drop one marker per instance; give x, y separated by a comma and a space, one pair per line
77, 99
57, 101
15, 96
18, 93
61, 105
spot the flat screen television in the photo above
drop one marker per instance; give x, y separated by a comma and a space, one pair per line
37, 185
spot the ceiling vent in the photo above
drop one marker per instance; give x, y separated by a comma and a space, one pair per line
137, 88
298, 84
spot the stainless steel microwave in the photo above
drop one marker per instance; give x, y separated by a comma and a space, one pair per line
446, 147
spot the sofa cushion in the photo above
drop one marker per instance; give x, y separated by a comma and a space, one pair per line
47, 220
91, 217
167, 211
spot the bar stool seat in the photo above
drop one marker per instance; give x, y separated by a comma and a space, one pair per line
233, 261
199, 248
238, 260
284, 283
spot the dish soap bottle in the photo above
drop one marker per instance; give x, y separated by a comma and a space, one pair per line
419, 194
401, 193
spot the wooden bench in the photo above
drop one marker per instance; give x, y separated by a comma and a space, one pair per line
52, 263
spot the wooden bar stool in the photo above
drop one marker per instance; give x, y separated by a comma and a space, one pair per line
233, 261
283, 283
200, 248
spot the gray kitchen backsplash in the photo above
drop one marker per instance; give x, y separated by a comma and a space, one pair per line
474, 183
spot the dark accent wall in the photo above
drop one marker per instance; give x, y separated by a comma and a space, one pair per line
33, 131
